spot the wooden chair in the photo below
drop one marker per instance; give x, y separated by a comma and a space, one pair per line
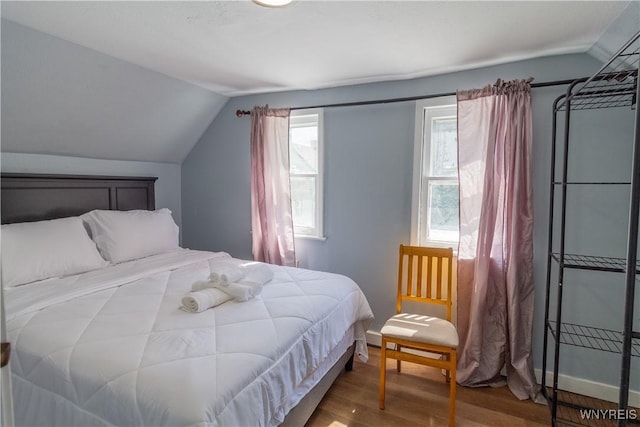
421, 278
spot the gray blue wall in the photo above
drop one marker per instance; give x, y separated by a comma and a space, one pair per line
61, 98
368, 172
368, 163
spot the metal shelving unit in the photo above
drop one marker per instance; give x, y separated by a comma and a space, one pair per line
595, 263
614, 85
591, 337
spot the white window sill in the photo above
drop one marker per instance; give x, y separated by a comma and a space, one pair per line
440, 244
303, 237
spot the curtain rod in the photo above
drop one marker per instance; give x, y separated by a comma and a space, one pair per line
242, 113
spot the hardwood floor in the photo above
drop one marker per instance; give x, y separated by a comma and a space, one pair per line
418, 397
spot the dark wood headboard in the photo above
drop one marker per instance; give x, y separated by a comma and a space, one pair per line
29, 197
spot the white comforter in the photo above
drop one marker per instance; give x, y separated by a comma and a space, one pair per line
112, 347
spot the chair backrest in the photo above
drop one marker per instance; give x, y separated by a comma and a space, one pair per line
425, 275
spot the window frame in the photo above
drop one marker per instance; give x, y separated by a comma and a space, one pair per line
316, 232
432, 107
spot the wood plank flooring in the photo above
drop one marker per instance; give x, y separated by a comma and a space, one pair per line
418, 397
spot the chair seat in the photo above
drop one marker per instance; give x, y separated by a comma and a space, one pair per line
420, 328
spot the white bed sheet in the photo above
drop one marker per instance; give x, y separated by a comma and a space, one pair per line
112, 347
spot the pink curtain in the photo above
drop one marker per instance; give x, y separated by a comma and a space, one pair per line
271, 218
495, 256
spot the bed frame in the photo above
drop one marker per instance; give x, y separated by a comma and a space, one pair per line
37, 197
29, 197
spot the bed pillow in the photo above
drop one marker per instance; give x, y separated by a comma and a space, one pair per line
40, 250
127, 235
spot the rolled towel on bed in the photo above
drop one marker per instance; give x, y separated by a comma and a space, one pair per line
257, 276
234, 270
201, 284
238, 291
255, 288
195, 302
226, 274
242, 280
241, 290
257, 273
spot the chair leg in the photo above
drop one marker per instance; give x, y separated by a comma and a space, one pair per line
383, 371
452, 389
447, 371
398, 348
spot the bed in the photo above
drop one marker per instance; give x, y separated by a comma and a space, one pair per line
111, 346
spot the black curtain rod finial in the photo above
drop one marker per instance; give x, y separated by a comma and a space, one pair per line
241, 113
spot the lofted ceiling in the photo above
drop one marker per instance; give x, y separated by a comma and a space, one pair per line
237, 47
143, 80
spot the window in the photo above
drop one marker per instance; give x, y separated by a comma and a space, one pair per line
435, 183
305, 169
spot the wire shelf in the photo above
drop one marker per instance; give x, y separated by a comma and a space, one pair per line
591, 183
615, 85
591, 337
614, 90
598, 263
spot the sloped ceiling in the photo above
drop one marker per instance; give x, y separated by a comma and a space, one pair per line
61, 98
238, 47
619, 32
142, 80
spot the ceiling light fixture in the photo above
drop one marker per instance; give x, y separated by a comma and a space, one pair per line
272, 3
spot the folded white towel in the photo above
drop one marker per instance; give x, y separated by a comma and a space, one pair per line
233, 270
238, 291
227, 274
201, 284
241, 290
240, 279
258, 273
195, 302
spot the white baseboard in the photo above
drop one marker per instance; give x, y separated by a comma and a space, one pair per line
589, 388
566, 382
374, 338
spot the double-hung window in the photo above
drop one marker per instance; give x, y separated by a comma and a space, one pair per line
305, 170
435, 182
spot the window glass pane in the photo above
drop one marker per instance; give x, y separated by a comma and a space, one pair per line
435, 181
441, 219
423, 231
303, 201
444, 150
303, 149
